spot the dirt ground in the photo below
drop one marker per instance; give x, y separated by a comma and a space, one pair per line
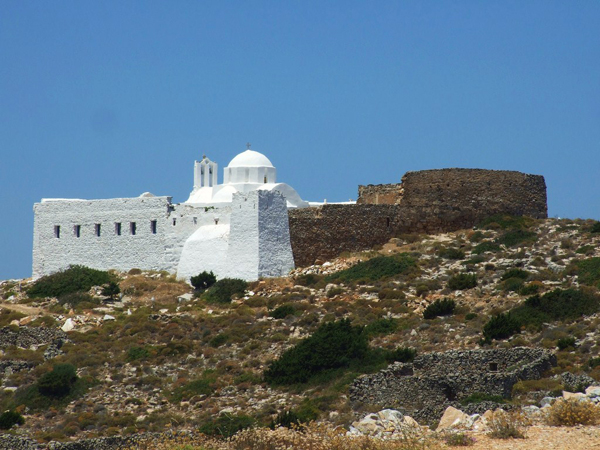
545, 437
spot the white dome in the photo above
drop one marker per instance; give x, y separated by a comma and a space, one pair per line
250, 158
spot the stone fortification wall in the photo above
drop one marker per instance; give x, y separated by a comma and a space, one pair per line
323, 232
380, 194
435, 381
480, 192
430, 201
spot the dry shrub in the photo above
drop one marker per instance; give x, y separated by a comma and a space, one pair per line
572, 412
325, 437
505, 425
310, 437
162, 289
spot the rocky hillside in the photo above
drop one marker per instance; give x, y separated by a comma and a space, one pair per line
159, 355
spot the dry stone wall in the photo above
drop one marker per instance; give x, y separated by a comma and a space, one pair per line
435, 381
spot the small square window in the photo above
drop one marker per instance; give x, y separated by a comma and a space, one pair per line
174, 222
118, 228
97, 229
153, 226
132, 228
57, 231
77, 230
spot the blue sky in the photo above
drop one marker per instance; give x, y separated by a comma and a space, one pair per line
114, 98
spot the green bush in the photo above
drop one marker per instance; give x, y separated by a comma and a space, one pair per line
470, 316
516, 237
512, 284
474, 260
223, 290
58, 382
78, 299
479, 397
505, 222
381, 327
586, 250
529, 289
334, 345
74, 279
111, 290
218, 340
595, 228
462, 281
227, 425
438, 308
515, 273
401, 354
501, 326
203, 280
332, 292
8, 419
201, 386
375, 269
485, 246
137, 353
308, 279
593, 362
281, 312
565, 343
287, 419
589, 271
559, 304
451, 253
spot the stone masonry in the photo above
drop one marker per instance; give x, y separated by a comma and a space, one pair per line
429, 202
435, 381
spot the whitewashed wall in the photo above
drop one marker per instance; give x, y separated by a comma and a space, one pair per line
259, 239
144, 250
248, 238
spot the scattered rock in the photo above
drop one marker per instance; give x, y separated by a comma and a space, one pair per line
68, 325
453, 418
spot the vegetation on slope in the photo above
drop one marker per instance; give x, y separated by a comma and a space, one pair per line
164, 363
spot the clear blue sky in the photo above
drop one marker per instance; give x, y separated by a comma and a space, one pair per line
102, 99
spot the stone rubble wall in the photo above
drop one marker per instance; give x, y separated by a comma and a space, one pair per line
324, 232
482, 192
27, 337
439, 380
428, 202
380, 194
139, 440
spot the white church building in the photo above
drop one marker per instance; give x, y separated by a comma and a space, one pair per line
237, 229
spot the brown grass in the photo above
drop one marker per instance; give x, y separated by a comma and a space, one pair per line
572, 412
311, 437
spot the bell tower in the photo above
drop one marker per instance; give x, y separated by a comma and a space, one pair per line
205, 173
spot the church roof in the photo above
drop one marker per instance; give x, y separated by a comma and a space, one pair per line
250, 158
